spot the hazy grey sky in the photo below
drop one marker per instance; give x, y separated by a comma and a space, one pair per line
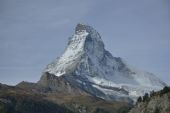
35, 32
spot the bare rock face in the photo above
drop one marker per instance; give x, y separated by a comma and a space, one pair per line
58, 85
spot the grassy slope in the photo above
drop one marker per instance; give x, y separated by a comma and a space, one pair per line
90, 104
13, 102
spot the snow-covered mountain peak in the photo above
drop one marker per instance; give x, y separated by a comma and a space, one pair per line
84, 27
80, 28
93, 44
88, 65
85, 43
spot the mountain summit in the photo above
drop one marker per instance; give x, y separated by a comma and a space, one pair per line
84, 44
87, 65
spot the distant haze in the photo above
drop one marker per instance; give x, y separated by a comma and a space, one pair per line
35, 32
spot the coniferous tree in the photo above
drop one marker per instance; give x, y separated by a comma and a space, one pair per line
146, 97
139, 99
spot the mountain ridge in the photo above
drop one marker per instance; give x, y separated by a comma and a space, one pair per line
29, 97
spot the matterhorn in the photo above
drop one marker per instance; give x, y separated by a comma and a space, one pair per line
88, 66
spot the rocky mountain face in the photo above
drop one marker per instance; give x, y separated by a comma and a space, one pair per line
157, 102
86, 65
54, 84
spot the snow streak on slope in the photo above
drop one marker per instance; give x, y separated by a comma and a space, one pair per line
70, 56
91, 67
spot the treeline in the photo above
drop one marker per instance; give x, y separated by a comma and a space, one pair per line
147, 96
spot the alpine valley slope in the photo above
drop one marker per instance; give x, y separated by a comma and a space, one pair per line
87, 65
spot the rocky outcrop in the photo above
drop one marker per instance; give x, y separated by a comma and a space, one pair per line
58, 85
159, 102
